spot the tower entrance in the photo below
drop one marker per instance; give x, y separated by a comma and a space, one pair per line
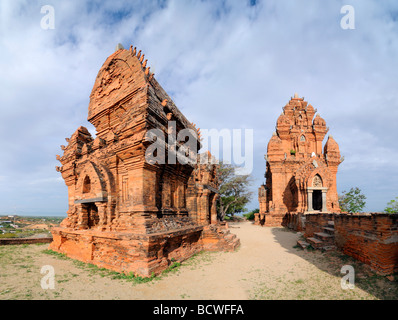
317, 200
92, 215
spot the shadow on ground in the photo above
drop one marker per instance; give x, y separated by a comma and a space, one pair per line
381, 287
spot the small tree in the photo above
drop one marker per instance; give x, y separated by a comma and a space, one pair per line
392, 206
234, 192
352, 201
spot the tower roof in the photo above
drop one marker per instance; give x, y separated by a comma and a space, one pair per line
121, 75
124, 75
331, 145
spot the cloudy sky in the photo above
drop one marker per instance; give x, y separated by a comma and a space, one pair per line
226, 64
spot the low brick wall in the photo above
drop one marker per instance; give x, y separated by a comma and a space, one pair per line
125, 252
142, 254
294, 221
315, 221
273, 220
370, 238
10, 241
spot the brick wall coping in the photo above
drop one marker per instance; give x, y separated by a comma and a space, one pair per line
368, 214
120, 235
12, 241
362, 214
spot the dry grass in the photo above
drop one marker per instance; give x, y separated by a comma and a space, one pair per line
266, 266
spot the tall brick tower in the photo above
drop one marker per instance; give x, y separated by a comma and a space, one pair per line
126, 212
300, 178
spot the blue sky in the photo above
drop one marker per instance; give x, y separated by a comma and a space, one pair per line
226, 64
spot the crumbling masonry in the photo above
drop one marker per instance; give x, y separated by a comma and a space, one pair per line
125, 213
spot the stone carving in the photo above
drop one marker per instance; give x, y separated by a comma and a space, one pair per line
317, 182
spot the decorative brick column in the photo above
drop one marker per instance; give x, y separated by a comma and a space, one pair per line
324, 208
102, 213
82, 216
213, 213
309, 197
256, 219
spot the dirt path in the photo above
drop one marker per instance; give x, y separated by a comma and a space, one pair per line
266, 266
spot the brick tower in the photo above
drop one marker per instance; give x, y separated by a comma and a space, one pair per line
300, 178
127, 213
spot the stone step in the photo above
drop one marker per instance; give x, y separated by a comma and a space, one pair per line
328, 230
316, 243
331, 224
230, 237
303, 244
329, 248
324, 236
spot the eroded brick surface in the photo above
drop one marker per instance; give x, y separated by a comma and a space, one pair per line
300, 175
370, 238
127, 213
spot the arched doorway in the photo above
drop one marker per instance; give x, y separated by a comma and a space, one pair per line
92, 215
316, 195
317, 200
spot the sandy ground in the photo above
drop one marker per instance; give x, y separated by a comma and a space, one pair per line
266, 266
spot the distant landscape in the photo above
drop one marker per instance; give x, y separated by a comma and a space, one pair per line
15, 226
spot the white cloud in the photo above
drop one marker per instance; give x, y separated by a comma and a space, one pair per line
230, 66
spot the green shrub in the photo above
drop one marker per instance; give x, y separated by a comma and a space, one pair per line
8, 235
250, 215
56, 254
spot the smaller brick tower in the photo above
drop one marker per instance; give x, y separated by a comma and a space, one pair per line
300, 178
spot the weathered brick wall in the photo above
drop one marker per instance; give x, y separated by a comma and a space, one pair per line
294, 221
370, 238
9, 241
274, 220
315, 221
141, 254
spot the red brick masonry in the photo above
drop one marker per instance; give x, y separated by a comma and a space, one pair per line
129, 212
300, 175
371, 238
